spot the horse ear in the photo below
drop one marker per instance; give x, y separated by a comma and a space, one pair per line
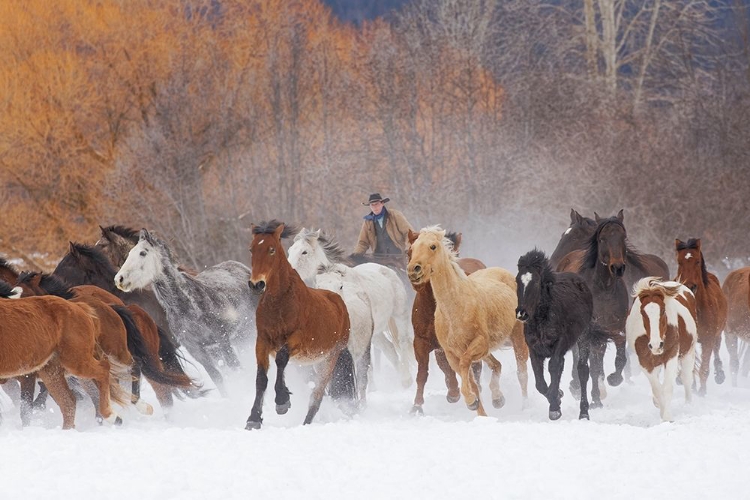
575, 217
105, 233
72, 249
144, 235
442, 233
620, 215
597, 218
412, 237
317, 234
698, 244
457, 243
279, 230
677, 242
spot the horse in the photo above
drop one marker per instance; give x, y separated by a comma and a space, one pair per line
711, 306
557, 311
386, 294
52, 336
736, 289
87, 265
332, 278
425, 339
206, 311
661, 328
603, 268
474, 314
135, 327
295, 322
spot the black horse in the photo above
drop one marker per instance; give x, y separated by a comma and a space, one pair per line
557, 311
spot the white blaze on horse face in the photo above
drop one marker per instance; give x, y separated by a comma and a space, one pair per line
688, 255
653, 312
140, 269
525, 280
568, 230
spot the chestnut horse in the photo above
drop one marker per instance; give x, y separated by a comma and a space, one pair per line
661, 328
295, 322
736, 289
474, 314
52, 336
425, 339
711, 306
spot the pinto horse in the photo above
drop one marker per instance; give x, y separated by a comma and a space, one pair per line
661, 328
736, 289
51, 336
711, 306
425, 339
557, 310
295, 322
474, 314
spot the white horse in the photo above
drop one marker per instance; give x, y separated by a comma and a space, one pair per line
385, 292
360, 319
206, 312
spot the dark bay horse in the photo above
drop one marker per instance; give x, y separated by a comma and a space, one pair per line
711, 306
603, 268
557, 311
295, 322
736, 289
52, 336
425, 338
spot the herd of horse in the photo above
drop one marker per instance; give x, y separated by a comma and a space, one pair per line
121, 309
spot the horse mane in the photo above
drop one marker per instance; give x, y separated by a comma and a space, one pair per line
126, 232
7, 265
692, 244
331, 268
452, 236
537, 260
592, 250
51, 284
654, 284
330, 246
271, 226
7, 290
101, 262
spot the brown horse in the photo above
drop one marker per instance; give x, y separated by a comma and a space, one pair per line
294, 321
425, 339
736, 289
474, 314
711, 305
52, 336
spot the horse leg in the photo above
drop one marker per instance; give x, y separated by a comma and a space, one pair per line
230, 356
262, 353
385, 346
28, 383
324, 378
90, 388
745, 367
596, 362
451, 382
399, 331
362, 369
719, 376
498, 400
53, 376
135, 392
686, 374
656, 387
164, 397
283, 401
583, 376
477, 349
670, 373
554, 394
40, 402
615, 378
422, 350
537, 366
521, 352
202, 357
734, 360
706, 350
99, 371
476, 369
575, 383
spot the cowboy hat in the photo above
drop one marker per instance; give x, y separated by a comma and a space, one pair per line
376, 197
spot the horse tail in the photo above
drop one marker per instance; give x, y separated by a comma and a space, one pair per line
343, 383
172, 361
117, 371
150, 365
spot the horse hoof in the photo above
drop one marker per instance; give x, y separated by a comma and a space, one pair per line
118, 422
251, 425
417, 410
584, 416
596, 404
283, 408
499, 402
473, 406
719, 377
452, 398
575, 390
614, 379
144, 408
555, 414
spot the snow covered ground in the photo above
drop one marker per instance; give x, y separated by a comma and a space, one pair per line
203, 451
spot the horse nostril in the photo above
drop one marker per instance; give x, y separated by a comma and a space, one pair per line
650, 346
120, 279
417, 268
661, 345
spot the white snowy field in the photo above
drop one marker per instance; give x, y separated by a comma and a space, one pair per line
203, 452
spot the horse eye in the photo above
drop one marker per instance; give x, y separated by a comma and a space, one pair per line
272, 250
143, 253
304, 253
433, 247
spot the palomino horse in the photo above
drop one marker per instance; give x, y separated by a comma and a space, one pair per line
425, 339
736, 289
51, 336
557, 309
474, 314
711, 306
87, 265
385, 291
206, 311
661, 329
602, 268
295, 322
135, 328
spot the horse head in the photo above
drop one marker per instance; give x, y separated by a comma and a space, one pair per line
652, 296
306, 254
143, 265
268, 259
86, 265
426, 253
608, 245
116, 242
575, 237
534, 277
691, 268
